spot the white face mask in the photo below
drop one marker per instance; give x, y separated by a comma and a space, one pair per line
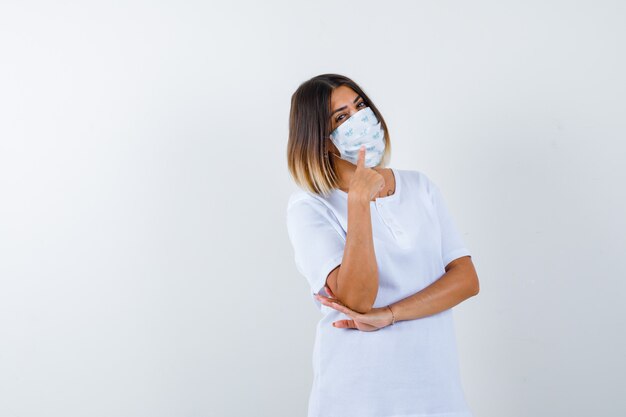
362, 128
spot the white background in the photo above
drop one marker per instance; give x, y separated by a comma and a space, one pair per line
145, 267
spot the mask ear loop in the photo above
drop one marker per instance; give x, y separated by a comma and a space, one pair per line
326, 151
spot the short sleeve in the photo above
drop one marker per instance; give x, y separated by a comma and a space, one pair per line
317, 239
452, 245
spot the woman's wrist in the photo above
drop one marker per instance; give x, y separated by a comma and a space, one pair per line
393, 316
358, 198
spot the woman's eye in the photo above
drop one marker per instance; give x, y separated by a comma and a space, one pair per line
339, 118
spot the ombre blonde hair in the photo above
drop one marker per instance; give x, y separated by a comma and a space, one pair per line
309, 127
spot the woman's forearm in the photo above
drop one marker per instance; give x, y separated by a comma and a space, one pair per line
455, 286
357, 281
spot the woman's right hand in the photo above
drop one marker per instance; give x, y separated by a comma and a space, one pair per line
366, 182
375, 319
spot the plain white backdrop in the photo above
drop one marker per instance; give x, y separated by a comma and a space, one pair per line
145, 267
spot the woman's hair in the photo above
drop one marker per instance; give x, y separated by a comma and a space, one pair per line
309, 126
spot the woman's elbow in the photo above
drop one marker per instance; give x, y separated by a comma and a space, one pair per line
353, 295
361, 307
361, 302
475, 285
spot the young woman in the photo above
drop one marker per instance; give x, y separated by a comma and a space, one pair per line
384, 260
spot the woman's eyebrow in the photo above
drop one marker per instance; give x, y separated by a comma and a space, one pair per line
341, 108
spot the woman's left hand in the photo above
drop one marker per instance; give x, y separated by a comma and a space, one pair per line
375, 319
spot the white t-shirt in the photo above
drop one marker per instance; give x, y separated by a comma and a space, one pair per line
409, 369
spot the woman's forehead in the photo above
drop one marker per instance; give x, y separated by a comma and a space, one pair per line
343, 95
